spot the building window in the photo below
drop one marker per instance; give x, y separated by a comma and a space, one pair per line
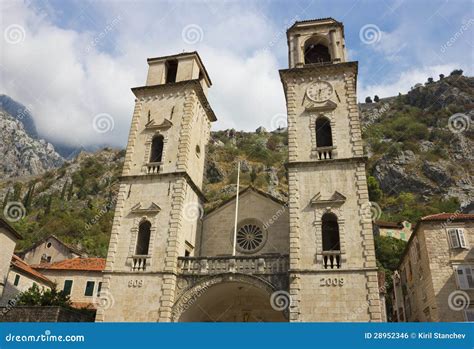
67, 287
156, 149
143, 240
323, 132
171, 70
89, 288
330, 231
198, 151
457, 238
17, 280
99, 288
403, 236
315, 52
465, 276
469, 313
48, 245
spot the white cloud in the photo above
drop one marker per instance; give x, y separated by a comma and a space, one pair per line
66, 79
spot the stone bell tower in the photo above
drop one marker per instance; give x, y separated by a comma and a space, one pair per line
333, 275
159, 202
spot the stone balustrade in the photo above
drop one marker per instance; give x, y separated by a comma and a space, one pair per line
263, 264
331, 259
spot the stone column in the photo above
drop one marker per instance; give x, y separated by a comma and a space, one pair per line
299, 57
333, 43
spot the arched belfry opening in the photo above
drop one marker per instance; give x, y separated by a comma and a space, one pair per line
316, 51
331, 241
156, 149
323, 132
143, 239
330, 230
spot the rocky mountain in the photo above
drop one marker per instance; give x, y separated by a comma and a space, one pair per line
420, 162
420, 147
74, 201
23, 155
19, 112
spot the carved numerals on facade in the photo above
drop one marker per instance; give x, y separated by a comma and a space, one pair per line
331, 282
135, 283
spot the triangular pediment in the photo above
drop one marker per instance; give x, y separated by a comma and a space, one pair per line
335, 199
312, 106
152, 125
153, 208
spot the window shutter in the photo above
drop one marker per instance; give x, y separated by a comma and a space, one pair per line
469, 315
453, 238
469, 276
67, 287
461, 238
461, 277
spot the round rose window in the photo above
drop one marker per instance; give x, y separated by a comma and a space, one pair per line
250, 238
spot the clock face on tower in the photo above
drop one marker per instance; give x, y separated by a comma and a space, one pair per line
319, 91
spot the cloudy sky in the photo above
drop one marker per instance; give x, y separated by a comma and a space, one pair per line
72, 62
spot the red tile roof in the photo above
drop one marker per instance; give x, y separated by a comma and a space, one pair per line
20, 264
89, 264
448, 216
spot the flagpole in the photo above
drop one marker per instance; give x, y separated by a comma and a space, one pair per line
236, 208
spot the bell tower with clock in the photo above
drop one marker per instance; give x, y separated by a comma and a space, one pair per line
333, 274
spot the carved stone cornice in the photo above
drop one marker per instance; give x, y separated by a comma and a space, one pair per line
151, 125
335, 199
138, 209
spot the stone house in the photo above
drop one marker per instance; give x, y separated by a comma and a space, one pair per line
21, 277
49, 250
435, 277
8, 239
80, 278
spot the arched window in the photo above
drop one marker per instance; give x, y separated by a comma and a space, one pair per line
316, 53
156, 149
143, 240
330, 231
323, 132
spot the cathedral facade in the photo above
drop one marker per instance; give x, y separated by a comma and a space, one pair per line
309, 259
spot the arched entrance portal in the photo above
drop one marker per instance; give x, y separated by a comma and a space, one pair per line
228, 299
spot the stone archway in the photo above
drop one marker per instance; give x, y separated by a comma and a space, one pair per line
228, 298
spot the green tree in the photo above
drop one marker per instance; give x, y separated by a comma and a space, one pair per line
17, 191
375, 193
5, 200
63, 191
70, 192
43, 297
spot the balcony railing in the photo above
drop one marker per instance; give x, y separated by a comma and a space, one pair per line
331, 259
139, 263
324, 153
263, 264
153, 167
